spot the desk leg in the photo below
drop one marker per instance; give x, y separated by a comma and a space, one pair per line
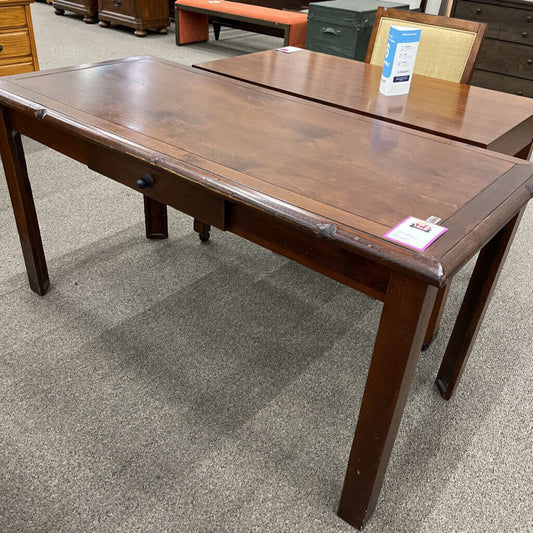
404, 320
436, 315
21, 195
489, 263
155, 219
525, 153
202, 229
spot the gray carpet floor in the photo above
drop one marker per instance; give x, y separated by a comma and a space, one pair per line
178, 387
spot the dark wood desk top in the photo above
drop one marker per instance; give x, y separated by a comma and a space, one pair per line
477, 116
332, 173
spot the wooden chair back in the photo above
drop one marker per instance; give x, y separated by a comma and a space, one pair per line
448, 47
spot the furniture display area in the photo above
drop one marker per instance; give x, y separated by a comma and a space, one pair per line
282, 192
343, 27
192, 20
18, 52
87, 8
142, 15
506, 57
448, 47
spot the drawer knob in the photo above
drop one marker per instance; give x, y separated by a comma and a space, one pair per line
117, 3
520, 93
529, 18
1, 47
478, 11
530, 61
145, 182
524, 34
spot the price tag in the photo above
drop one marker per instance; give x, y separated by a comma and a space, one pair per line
289, 49
415, 233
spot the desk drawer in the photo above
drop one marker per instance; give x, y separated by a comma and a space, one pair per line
506, 58
501, 82
167, 188
12, 17
14, 44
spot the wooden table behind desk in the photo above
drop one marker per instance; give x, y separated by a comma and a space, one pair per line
481, 117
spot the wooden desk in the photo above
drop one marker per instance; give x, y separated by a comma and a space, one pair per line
477, 116
298, 185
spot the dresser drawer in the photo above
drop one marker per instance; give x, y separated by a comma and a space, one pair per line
20, 67
521, 33
14, 44
480, 13
505, 23
506, 58
12, 17
124, 7
501, 82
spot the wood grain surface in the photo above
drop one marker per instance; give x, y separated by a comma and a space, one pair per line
344, 176
477, 116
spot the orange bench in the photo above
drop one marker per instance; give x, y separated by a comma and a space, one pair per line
192, 20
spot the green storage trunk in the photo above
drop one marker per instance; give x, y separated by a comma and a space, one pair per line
343, 27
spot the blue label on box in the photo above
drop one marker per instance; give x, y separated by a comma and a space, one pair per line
398, 36
399, 61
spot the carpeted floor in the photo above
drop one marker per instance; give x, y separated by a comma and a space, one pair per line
178, 387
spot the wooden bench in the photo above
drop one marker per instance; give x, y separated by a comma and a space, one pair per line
192, 20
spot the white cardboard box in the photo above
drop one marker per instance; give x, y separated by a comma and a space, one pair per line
400, 57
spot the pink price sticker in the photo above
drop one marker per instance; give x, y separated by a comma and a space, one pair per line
415, 233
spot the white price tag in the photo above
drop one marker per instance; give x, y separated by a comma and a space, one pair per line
289, 49
415, 233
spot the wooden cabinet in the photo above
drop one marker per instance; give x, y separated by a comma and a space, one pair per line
139, 14
87, 8
17, 43
505, 60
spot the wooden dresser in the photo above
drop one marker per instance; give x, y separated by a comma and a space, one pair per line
505, 60
17, 43
141, 15
87, 8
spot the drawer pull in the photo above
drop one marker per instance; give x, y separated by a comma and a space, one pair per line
530, 61
1, 47
145, 182
520, 93
529, 18
331, 30
524, 34
478, 11
117, 3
